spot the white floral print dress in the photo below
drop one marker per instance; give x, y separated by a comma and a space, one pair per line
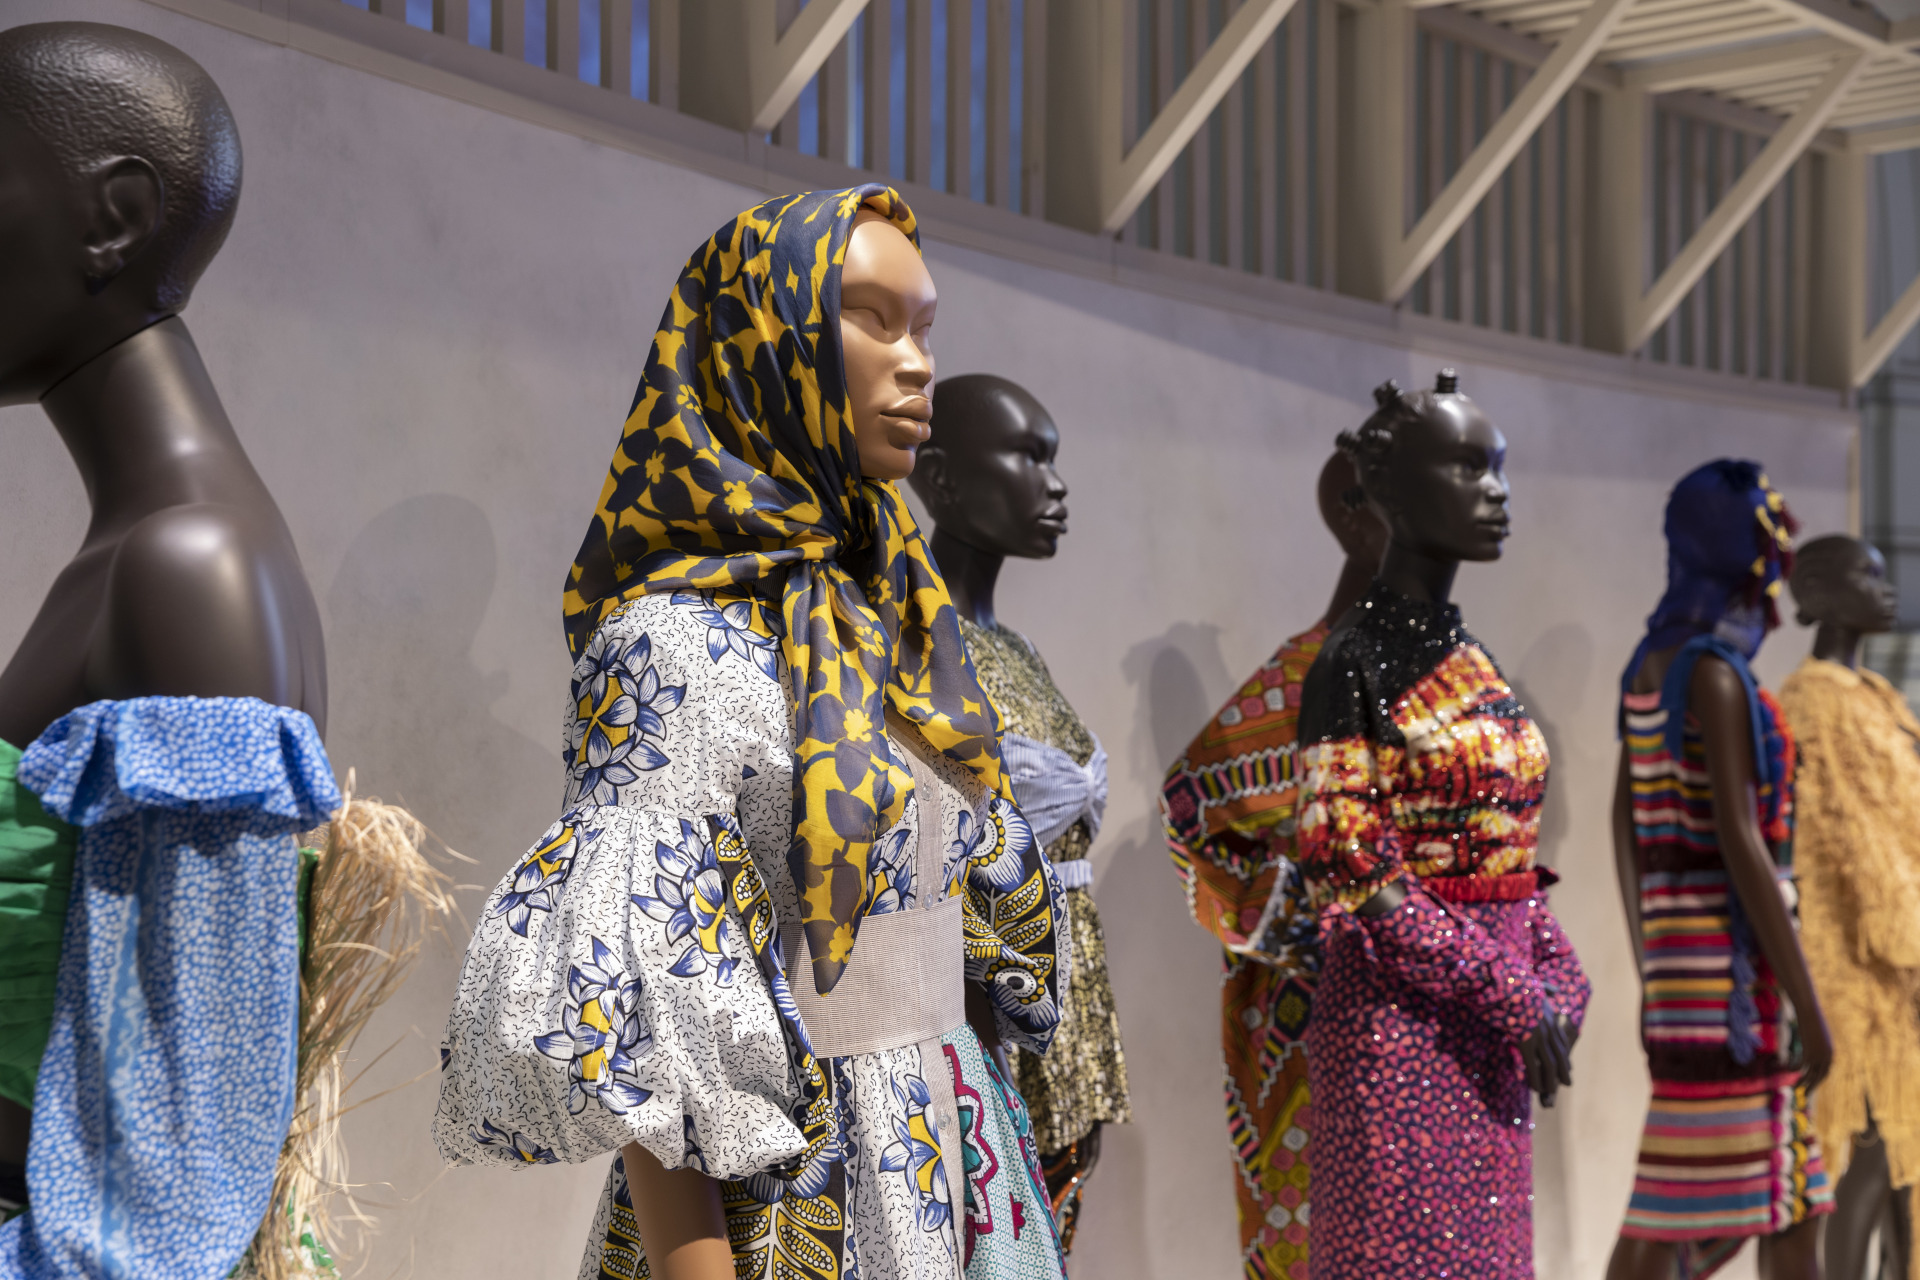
614, 990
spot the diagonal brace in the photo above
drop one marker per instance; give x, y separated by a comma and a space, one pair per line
779, 66
1476, 176
1125, 182
1888, 334
1738, 204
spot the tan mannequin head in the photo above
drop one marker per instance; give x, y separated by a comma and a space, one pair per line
887, 301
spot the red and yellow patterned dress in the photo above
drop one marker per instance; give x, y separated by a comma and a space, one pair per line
1419, 764
1228, 813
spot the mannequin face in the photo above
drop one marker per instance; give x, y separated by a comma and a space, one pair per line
1443, 489
992, 482
887, 302
1852, 594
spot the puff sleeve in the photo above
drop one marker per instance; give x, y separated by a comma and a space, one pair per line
609, 995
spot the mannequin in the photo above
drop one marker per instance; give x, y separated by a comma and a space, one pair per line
119, 173
990, 484
1856, 855
1418, 821
1228, 812
742, 959
1695, 867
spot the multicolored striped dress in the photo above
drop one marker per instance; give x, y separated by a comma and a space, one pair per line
1421, 767
1728, 1151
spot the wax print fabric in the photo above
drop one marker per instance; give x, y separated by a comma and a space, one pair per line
176, 1010
1419, 765
1856, 856
626, 983
1228, 813
1081, 1081
737, 470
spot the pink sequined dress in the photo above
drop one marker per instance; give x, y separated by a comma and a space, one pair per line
1421, 764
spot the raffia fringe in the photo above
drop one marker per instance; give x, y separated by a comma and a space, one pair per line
373, 900
1840, 1113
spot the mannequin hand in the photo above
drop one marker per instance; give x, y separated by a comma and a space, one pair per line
1568, 1032
1544, 1055
1390, 896
1816, 1052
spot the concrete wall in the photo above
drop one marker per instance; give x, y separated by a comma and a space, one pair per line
428, 323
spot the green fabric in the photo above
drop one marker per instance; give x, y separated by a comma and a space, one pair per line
36, 873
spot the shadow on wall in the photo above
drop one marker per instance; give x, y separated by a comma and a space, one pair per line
412, 710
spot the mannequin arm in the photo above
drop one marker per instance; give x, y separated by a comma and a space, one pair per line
1719, 700
682, 1224
1626, 864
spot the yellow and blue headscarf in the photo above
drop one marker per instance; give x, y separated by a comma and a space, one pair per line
738, 472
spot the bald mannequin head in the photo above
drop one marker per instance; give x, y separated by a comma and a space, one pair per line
987, 474
119, 173
1842, 582
1344, 509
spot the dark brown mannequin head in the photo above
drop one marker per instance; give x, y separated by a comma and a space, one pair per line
987, 475
1355, 525
1842, 582
119, 173
1434, 467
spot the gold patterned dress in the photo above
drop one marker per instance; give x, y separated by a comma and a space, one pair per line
1082, 1080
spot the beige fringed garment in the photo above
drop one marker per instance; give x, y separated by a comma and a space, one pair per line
1857, 854
374, 898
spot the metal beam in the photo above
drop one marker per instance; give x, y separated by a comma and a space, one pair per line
1837, 279
1126, 182
1502, 143
1878, 345
779, 66
1738, 204
1894, 137
1742, 66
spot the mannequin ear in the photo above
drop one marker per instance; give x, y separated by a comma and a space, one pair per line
128, 202
933, 480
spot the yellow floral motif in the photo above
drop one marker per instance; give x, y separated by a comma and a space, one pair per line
858, 727
765, 493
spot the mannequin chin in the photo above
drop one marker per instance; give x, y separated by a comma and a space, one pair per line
887, 303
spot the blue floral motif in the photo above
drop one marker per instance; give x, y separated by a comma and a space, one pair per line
891, 874
730, 629
537, 884
915, 1151
620, 705
524, 1149
696, 1158
690, 898
601, 1035
996, 848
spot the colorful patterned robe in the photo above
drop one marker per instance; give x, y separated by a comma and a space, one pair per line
1419, 765
1227, 810
625, 983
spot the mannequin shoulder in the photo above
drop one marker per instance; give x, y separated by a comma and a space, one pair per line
714, 649
203, 600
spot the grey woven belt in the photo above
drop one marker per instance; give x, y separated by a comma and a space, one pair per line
906, 981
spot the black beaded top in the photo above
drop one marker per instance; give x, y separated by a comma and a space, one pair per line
1368, 664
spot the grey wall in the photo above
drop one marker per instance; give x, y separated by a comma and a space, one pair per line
428, 324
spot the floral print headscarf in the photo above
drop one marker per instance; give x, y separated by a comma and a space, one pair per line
738, 473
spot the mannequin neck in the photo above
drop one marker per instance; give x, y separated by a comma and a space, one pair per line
146, 429
1356, 575
1417, 575
1835, 643
970, 574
